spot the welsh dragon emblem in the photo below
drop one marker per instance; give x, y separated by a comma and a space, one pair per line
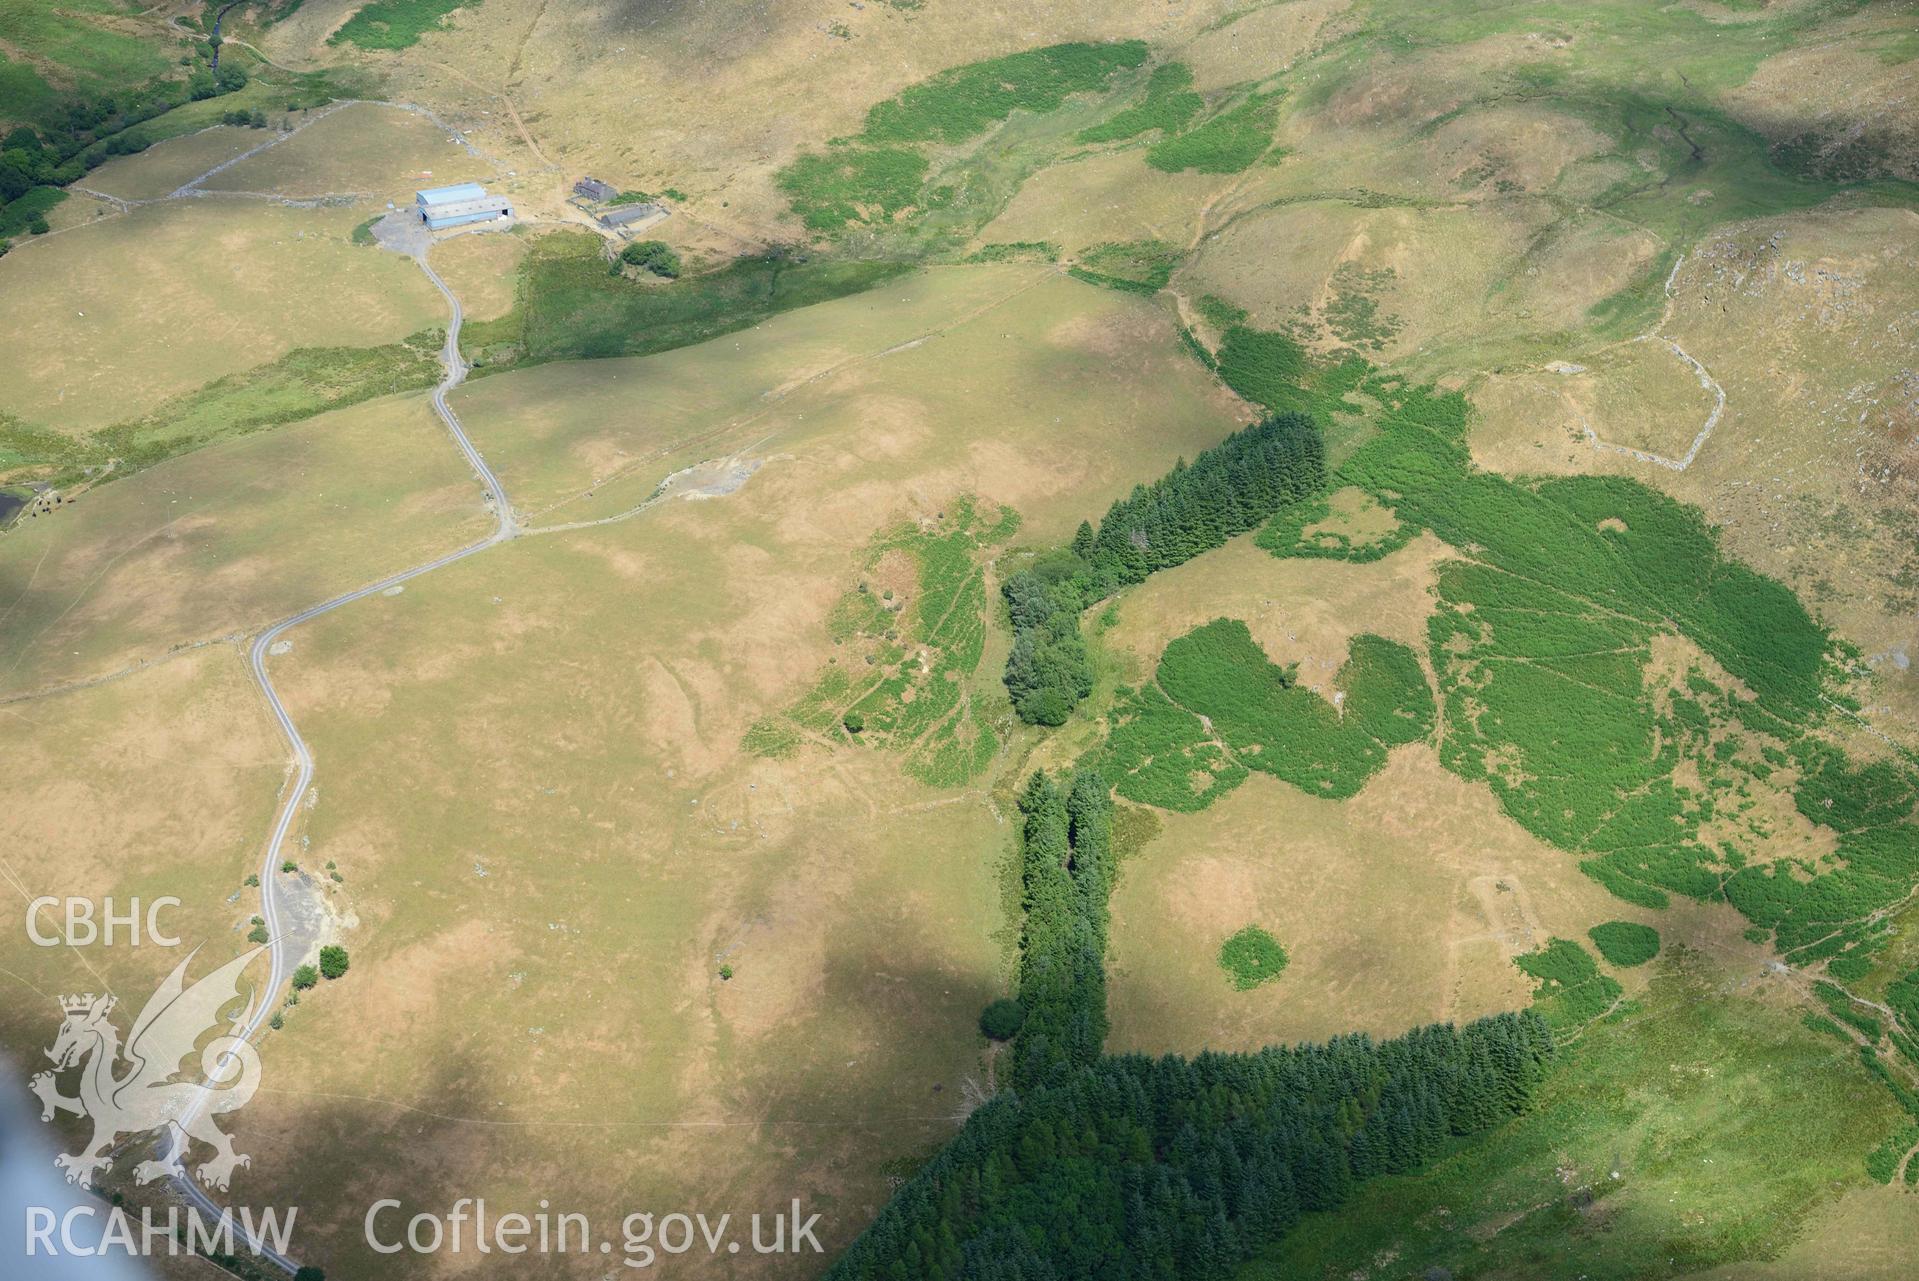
150, 1093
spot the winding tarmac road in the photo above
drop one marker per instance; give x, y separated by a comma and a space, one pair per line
282, 962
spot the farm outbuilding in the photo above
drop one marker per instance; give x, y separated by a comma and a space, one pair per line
593, 189
627, 215
458, 205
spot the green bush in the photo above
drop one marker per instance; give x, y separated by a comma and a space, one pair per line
1571, 992
964, 101
1840, 1004
1168, 105
395, 24
1851, 967
1016, 251
1001, 1019
880, 175
915, 693
29, 212
1228, 143
1252, 957
1136, 266
772, 738
831, 189
655, 256
1158, 753
1271, 724
333, 961
1625, 943
1903, 995
1285, 535
1883, 1161
1266, 368
305, 977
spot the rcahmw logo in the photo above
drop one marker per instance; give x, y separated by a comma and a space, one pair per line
177, 1232
147, 1095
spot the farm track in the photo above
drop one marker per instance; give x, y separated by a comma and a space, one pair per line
506, 528
1706, 381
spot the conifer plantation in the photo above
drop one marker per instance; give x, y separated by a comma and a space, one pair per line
1130, 1167
1227, 490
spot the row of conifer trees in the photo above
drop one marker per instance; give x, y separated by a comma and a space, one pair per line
1091, 1166
1227, 490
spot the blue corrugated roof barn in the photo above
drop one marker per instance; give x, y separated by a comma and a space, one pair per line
459, 204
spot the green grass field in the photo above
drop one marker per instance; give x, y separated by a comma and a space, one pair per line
94, 54
227, 282
1691, 1131
569, 308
